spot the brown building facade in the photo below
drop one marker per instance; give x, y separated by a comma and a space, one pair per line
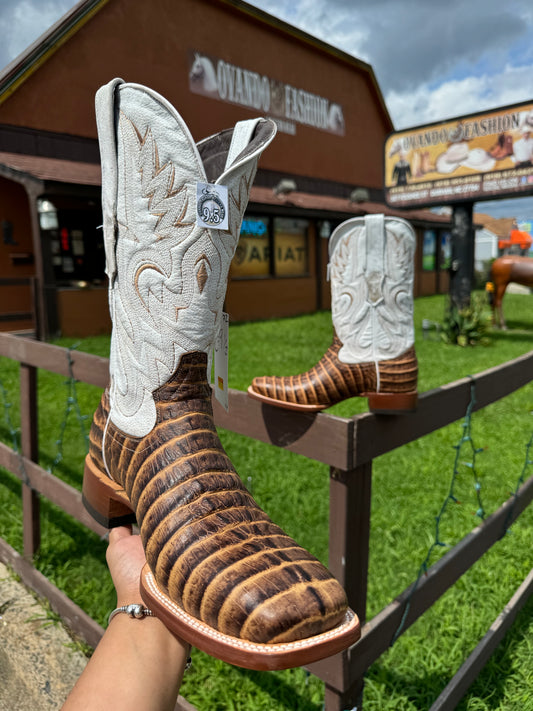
217, 62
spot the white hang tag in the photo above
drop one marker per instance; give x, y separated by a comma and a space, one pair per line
212, 206
210, 365
221, 362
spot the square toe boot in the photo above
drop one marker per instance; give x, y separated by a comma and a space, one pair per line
372, 354
219, 573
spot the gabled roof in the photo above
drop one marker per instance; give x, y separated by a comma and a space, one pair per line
500, 226
23, 66
29, 61
314, 41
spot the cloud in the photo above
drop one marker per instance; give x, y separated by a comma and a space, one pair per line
427, 103
422, 42
23, 21
414, 41
432, 60
519, 208
333, 22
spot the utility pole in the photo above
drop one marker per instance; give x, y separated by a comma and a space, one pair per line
462, 267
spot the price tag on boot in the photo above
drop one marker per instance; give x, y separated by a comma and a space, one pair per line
221, 362
212, 206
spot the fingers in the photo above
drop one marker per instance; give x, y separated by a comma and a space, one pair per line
116, 534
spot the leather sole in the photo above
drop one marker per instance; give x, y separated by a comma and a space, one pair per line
250, 655
380, 403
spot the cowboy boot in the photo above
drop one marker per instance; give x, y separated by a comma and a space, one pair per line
508, 148
427, 165
372, 354
497, 149
503, 147
220, 574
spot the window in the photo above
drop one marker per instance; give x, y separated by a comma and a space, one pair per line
290, 247
72, 243
429, 250
252, 256
271, 247
445, 257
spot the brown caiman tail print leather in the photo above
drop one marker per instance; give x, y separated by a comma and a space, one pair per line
219, 573
372, 355
331, 381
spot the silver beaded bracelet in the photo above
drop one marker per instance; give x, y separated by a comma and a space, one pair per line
135, 610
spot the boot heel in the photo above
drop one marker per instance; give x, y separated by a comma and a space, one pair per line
392, 403
105, 500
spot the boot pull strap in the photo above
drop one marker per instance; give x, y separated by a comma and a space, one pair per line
371, 259
242, 135
375, 236
105, 119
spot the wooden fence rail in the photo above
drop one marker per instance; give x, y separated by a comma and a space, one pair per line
348, 446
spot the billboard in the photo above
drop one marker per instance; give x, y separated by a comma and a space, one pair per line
478, 157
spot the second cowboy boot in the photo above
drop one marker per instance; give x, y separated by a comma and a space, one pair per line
219, 573
372, 355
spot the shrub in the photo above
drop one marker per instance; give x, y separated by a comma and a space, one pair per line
470, 325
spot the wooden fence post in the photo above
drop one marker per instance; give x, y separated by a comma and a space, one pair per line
35, 306
30, 449
349, 536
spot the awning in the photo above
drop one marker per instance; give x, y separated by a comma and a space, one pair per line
313, 202
79, 173
52, 169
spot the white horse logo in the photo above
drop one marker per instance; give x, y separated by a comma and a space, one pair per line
202, 75
336, 119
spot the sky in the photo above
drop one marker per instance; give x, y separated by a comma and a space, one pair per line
433, 60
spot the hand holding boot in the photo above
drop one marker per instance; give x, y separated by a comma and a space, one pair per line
138, 664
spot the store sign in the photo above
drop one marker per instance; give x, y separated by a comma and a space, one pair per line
479, 157
253, 227
291, 247
287, 105
290, 256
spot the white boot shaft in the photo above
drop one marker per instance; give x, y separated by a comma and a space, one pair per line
168, 275
372, 272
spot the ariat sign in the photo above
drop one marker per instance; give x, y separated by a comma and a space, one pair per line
287, 105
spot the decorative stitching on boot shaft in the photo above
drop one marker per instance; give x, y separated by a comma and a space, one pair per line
372, 274
169, 275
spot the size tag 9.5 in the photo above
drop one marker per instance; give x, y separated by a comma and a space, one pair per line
212, 206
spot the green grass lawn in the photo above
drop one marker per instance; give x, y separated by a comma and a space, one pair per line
409, 487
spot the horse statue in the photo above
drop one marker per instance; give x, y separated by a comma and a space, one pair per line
505, 270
